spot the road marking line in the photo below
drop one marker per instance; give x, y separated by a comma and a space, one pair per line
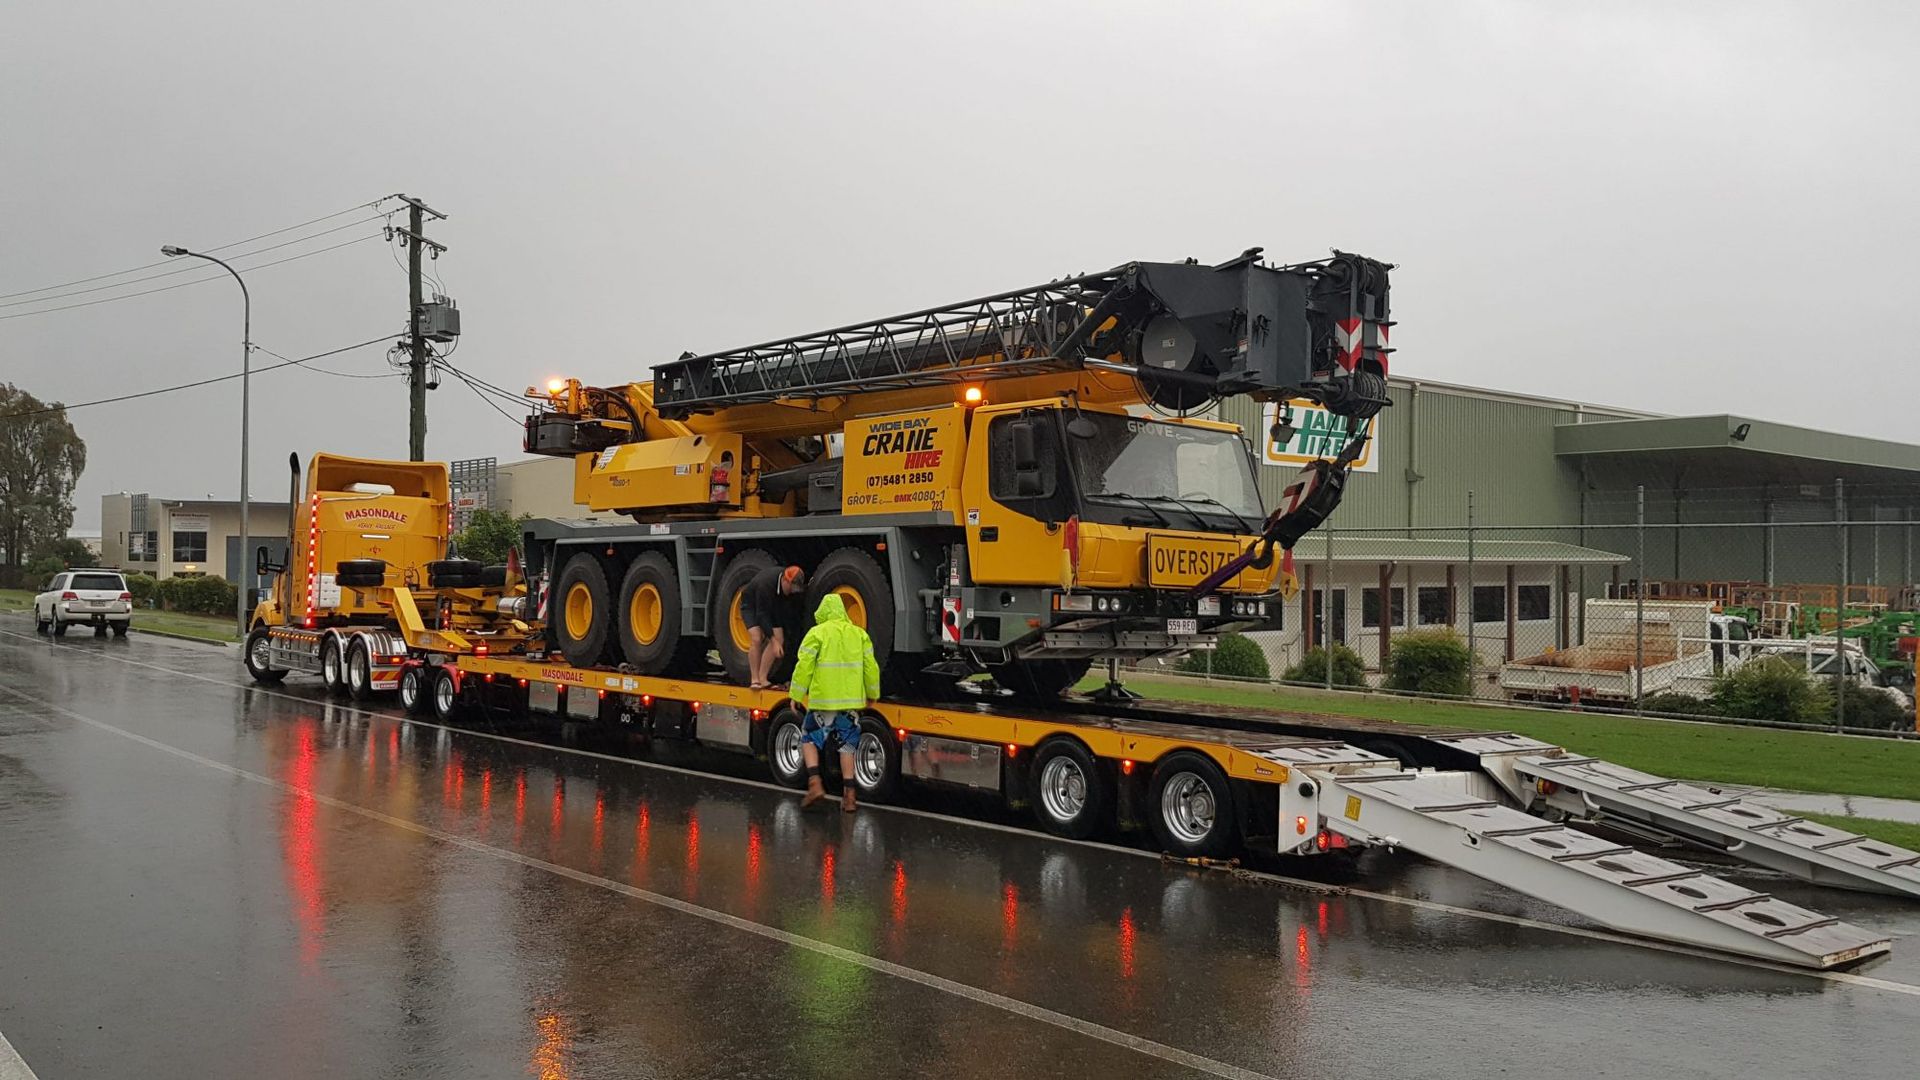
12, 1065
1303, 884
1116, 1037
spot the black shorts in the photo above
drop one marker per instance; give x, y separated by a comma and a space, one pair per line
763, 621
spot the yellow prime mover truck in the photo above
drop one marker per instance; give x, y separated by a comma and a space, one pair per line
1016, 484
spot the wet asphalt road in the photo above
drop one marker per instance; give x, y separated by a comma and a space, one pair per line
201, 878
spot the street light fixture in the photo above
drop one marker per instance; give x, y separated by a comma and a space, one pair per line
244, 580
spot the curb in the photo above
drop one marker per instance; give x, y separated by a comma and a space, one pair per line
179, 637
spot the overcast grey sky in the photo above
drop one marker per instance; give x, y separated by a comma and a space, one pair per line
1678, 207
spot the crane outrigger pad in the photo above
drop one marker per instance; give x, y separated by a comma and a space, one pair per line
1454, 818
1725, 821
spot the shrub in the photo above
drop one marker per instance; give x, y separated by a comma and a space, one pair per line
1348, 670
142, 586
1870, 707
1236, 655
1772, 688
40, 570
1674, 703
197, 595
1429, 662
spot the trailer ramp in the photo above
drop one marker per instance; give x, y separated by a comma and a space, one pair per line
1454, 818
1722, 821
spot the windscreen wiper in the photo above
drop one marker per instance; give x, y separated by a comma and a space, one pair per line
1149, 507
1198, 518
1208, 500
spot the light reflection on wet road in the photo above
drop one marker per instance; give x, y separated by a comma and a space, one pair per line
162, 916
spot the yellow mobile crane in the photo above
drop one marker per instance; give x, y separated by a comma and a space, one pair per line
976, 480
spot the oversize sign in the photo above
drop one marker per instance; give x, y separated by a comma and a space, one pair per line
1182, 561
1317, 434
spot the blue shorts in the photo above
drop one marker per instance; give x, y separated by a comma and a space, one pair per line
844, 727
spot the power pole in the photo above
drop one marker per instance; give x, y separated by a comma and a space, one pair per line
416, 337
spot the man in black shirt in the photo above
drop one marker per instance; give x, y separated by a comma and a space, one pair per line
771, 602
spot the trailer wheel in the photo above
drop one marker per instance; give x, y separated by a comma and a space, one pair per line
415, 682
259, 657
730, 628
784, 760
583, 610
876, 762
1072, 796
447, 706
1190, 806
359, 671
1039, 680
863, 588
650, 615
333, 673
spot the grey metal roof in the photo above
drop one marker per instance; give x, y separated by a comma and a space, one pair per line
1405, 549
1742, 435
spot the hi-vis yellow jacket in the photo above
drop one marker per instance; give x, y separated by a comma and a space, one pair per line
835, 669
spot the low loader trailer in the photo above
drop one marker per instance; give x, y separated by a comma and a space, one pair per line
1209, 782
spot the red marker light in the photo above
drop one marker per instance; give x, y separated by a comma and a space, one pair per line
523, 684
603, 695
647, 700
900, 733
1323, 841
480, 649
1012, 750
1300, 825
1126, 767
696, 708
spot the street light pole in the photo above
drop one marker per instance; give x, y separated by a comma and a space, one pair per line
244, 577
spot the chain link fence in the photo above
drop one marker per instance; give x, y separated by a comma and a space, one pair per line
1738, 605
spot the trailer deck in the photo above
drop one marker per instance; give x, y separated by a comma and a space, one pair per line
1510, 809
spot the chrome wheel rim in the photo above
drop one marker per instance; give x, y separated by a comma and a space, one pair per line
443, 696
786, 750
358, 671
410, 687
1063, 788
1186, 805
262, 653
330, 664
870, 764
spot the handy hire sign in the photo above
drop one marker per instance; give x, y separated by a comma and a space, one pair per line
1317, 434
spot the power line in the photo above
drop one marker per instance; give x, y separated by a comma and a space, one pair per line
195, 281
492, 404
190, 267
222, 247
199, 382
304, 366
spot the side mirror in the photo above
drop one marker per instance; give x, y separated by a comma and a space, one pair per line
262, 562
1026, 453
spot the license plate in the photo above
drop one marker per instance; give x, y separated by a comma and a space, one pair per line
1209, 605
1183, 627
1185, 561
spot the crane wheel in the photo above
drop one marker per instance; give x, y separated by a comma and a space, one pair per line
864, 589
730, 629
1039, 680
582, 605
649, 614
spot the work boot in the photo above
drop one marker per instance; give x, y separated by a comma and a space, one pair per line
815, 792
846, 799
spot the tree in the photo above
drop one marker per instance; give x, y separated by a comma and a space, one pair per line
488, 536
41, 458
69, 551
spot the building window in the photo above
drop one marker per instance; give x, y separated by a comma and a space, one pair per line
190, 547
1436, 605
1370, 607
1535, 602
1489, 603
153, 546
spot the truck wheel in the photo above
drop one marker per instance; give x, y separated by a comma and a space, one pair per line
359, 671
416, 680
1190, 806
1039, 680
120, 628
447, 706
583, 610
784, 760
59, 627
729, 627
650, 615
259, 657
333, 673
856, 577
876, 762
1072, 796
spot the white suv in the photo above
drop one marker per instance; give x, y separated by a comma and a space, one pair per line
97, 598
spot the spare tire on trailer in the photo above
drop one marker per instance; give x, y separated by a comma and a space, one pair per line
453, 573
582, 610
494, 576
730, 626
361, 567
